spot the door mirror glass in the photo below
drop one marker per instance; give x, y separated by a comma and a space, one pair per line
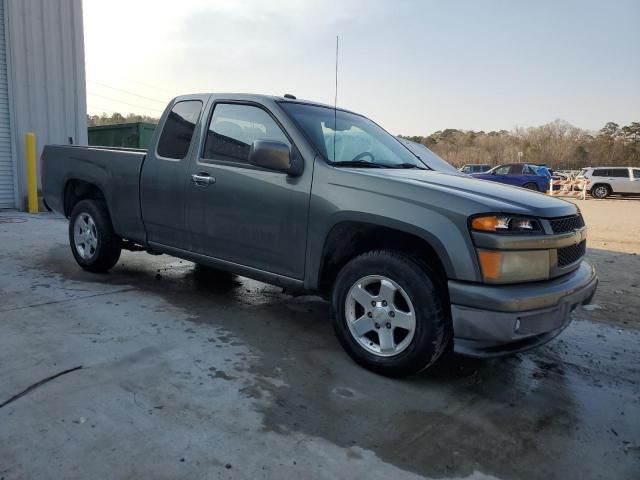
274, 155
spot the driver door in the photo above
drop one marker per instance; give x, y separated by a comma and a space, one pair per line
245, 214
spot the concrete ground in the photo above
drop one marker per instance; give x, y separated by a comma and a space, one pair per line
614, 249
185, 375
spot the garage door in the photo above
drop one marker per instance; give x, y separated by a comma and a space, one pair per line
7, 199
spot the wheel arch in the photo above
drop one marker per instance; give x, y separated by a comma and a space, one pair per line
76, 190
348, 239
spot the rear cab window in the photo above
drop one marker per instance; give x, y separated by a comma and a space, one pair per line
178, 129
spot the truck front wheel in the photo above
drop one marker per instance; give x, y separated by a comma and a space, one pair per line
94, 244
389, 314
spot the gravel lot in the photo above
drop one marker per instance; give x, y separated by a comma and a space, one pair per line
614, 248
188, 376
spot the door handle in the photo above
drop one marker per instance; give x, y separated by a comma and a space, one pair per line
202, 179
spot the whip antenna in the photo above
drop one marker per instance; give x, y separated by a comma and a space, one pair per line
335, 104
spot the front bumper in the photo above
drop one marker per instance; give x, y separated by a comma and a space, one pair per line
491, 320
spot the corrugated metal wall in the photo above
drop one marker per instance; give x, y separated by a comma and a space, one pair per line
7, 174
47, 75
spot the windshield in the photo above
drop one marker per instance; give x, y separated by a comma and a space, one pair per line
431, 159
357, 140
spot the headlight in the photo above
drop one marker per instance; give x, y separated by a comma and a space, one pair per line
505, 224
514, 266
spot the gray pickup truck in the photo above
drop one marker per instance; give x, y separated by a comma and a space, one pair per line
316, 199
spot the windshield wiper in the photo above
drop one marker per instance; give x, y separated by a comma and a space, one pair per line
406, 165
358, 163
365, 164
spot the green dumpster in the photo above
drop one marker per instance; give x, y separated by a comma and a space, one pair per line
133, 135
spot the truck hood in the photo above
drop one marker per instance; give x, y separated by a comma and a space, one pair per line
491, 196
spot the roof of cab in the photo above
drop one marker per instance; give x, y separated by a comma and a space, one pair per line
257, 98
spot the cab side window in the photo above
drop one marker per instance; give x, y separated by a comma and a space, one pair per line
601, 172
503, 170
234, 128
178, 129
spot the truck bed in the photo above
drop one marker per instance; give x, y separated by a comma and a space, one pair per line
115, 171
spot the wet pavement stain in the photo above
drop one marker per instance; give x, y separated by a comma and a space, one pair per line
547, 413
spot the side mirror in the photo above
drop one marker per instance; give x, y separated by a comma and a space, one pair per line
277, 156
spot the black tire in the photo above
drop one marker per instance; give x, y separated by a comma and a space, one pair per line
433, 330
600, 190
108, 246
531, 186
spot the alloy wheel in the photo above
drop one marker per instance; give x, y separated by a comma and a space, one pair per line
380, 315
85, 236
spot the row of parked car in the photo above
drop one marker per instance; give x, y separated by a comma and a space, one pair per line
601, 181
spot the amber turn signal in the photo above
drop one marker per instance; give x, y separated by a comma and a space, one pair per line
490, 263
505, 224
485, 224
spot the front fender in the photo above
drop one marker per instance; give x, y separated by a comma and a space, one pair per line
438, 223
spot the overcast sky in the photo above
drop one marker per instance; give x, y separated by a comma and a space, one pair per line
413, 66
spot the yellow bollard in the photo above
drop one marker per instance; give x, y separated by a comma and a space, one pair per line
32, 179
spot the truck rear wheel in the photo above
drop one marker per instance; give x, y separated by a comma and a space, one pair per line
94, 244
389, 315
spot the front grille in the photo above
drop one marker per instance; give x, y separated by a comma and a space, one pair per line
569, 255
566, 224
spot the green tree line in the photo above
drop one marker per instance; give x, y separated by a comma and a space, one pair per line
115, 118
558, 144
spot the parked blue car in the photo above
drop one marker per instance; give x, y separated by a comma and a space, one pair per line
533, 177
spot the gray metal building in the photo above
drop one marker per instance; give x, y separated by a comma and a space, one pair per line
42, 84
